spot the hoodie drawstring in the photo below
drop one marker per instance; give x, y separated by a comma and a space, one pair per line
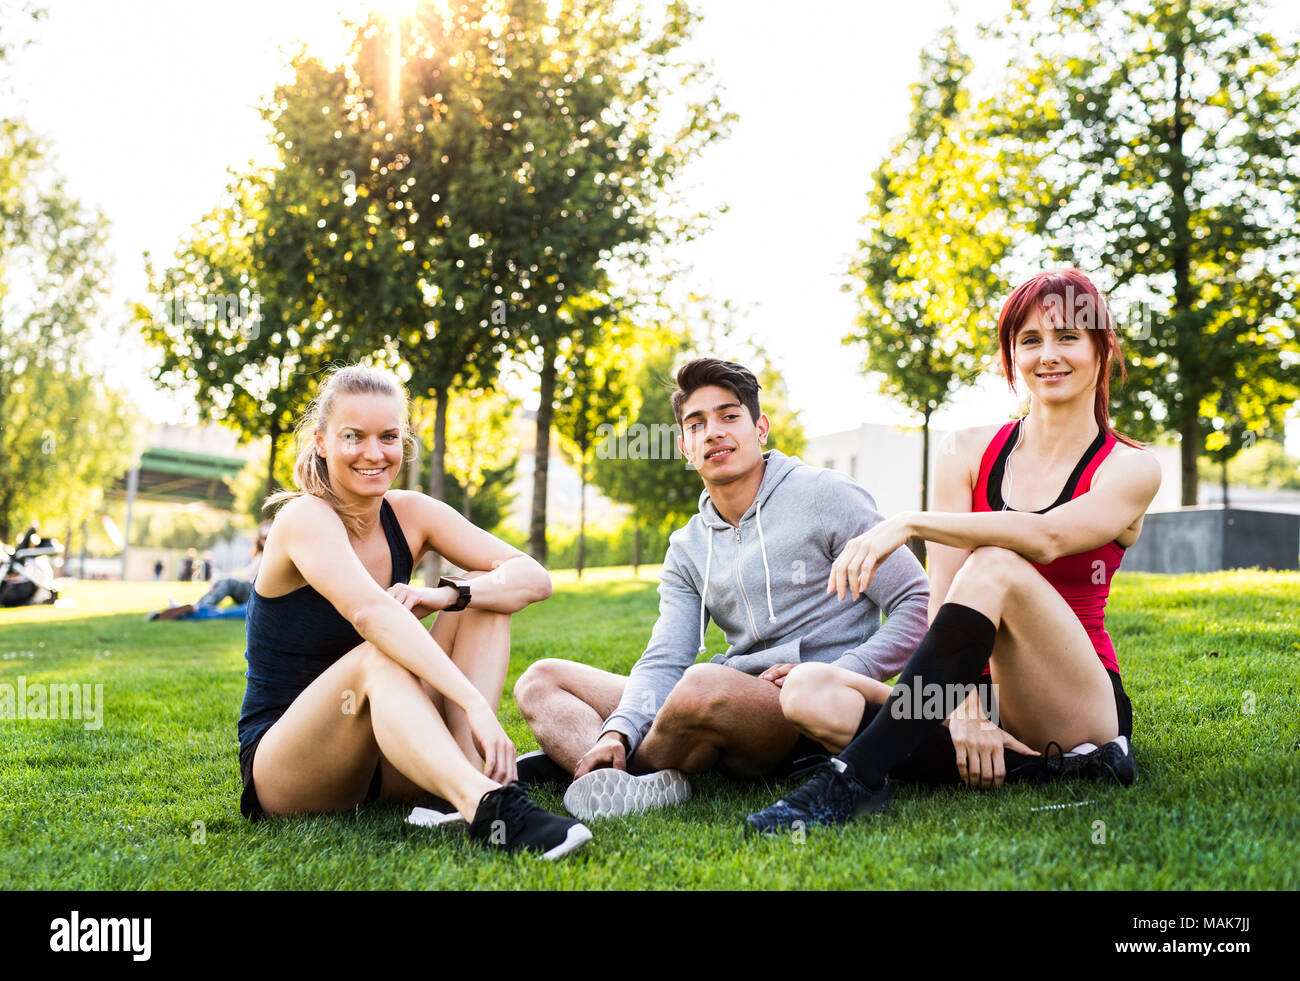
704, 599
767, 574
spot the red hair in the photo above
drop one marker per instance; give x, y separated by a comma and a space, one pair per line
1074, 300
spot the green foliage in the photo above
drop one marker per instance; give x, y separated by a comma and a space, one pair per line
1156, 143
65, 433
482, 451
594, 390
238, 321
1265, 465
249, 486
938, 228
491, 498
637, 461
169, 526
460, 186
604, 547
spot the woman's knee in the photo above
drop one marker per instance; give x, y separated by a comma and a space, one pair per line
376, 667
804, 691
991, 568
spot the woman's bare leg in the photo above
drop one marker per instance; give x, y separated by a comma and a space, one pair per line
478, 643
320, 756
826, 703
1051, 686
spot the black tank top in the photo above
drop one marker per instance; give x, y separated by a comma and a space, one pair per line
293, 638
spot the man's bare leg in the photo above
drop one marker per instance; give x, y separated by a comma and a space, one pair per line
718, 716
565, 704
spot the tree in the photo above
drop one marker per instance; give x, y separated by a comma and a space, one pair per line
239, 321
927, 270
481, 442
595, 390
1265, 464
636, 458
64, 433
577, 118
1158, 142
490, 504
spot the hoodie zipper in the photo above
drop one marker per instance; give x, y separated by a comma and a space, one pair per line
741, 582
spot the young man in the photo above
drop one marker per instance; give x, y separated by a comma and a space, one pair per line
756, 560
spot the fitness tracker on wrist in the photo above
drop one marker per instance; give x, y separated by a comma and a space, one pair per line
462, 588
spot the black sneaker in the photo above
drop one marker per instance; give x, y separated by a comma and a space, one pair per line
1113, 763
508, 820
832, 796
536, 769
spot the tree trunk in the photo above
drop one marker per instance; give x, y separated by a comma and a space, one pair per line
1185, 343
437, 462
67, 547
270, 458
636, 548
542, 454
1189, 439
1223, 479
438, 458
917, 544
582, 518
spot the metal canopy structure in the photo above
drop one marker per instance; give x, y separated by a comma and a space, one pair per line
167, 474
182, 475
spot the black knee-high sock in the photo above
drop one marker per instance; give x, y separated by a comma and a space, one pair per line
934, 762
953, 652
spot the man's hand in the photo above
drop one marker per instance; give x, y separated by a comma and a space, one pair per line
776, 674
610, 751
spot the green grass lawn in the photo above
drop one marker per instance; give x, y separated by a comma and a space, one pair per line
1210, 662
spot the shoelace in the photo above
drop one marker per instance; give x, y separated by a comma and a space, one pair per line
1053, 766
825, 779
510, 803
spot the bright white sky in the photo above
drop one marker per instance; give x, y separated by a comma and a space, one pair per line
148, 103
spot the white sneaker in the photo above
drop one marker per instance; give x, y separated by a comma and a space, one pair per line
616, 793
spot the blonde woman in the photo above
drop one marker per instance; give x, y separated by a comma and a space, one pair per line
349, 698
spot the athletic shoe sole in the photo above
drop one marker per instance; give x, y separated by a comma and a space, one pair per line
577, 836
616, 793
427, 817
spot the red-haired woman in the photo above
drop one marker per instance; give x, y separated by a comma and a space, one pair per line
1030, 523
349, 698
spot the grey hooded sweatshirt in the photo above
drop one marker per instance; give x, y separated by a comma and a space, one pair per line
764, 584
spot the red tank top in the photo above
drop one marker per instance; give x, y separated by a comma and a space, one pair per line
1083, 580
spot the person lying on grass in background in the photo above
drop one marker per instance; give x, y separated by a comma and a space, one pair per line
235, 588
753, 560
349, 698
1019, 575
